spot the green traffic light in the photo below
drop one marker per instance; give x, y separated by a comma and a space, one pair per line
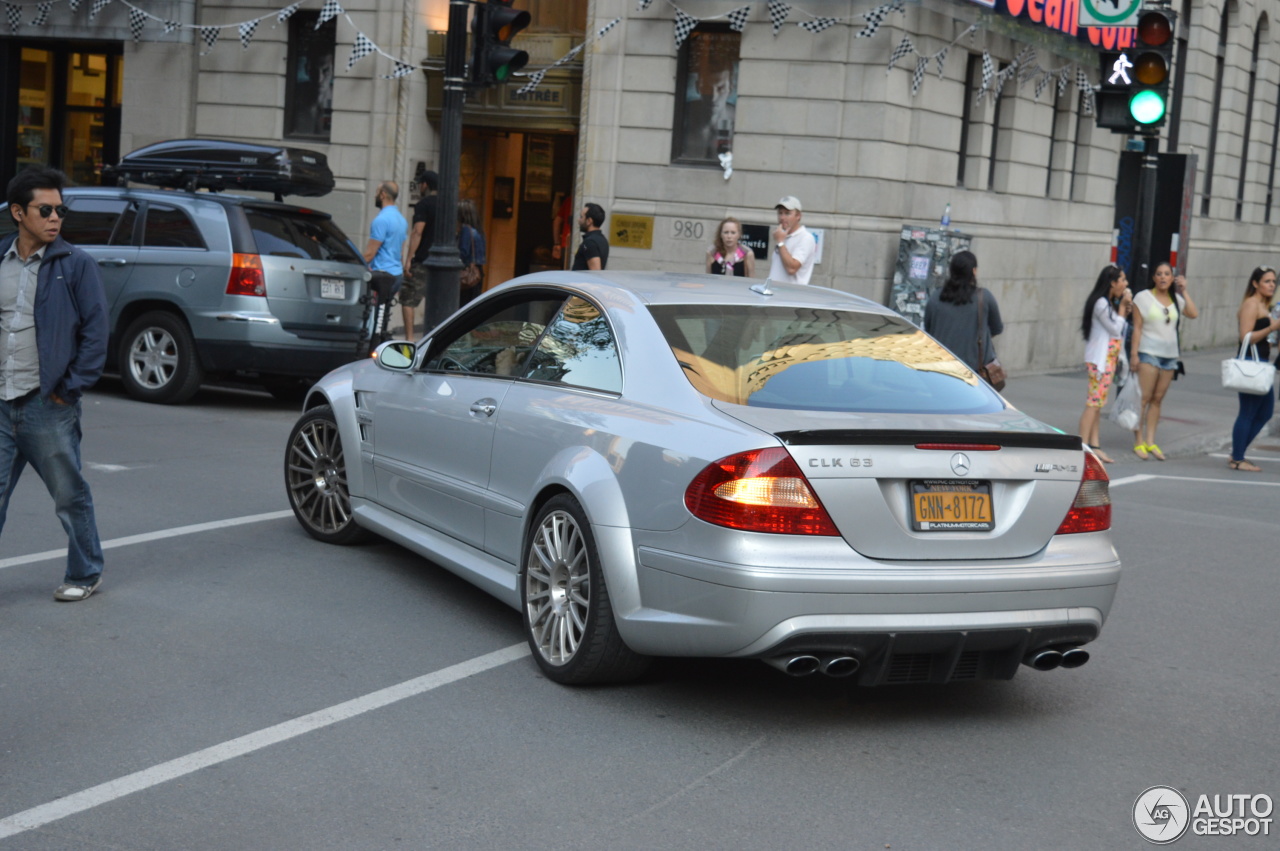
1146, 107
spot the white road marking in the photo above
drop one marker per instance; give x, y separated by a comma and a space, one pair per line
1142, 477
138, 781
1253, 456
107, 468
150, 536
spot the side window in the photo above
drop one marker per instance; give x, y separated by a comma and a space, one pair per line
169, 227
498, 339
578, 349
94, 221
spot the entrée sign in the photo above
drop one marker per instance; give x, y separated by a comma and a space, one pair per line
1064, 17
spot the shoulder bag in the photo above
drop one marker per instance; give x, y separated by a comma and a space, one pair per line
1255, 377
992, 372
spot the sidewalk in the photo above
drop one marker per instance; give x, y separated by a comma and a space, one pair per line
1196, 417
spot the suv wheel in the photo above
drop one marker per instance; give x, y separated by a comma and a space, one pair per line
158, 359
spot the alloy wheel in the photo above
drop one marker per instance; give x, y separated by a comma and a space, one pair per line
317, 477
558, 587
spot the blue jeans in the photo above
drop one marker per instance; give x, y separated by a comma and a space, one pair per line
1255, 411
46, 435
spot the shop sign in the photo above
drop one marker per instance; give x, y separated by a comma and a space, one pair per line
1064, 16
631, 231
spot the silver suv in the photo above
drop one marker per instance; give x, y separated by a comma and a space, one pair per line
204, 285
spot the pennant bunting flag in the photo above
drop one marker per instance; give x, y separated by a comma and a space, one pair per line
137, 20
941, 58
917, 76
1082, 83
331, 10
98, 6
534, 81
74, 4
170, 26
778, 12
14, 16
403, 69
1063, 76
362, 48
1041, 83
643, 4
988, 72
287, 12
209, 35
904, 47
42, 14
817, 25
684, 25
604, 29
1002, 77
247, 30
876, 17
738, 19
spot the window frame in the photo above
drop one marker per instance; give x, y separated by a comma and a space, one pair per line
307, 42
682, 115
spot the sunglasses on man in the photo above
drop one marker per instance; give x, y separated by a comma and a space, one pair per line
47, 210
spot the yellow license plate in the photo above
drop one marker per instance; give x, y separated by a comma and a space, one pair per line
951, 506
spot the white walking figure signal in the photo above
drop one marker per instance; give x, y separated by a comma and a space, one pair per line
1120, 69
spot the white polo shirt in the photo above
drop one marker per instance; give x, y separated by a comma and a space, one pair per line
803, 247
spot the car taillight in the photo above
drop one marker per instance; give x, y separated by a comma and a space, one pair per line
246, 276
758, 491
1091, 512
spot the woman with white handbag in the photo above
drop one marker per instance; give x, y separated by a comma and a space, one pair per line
1255, 324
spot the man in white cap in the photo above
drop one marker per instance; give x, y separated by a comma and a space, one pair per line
794, 248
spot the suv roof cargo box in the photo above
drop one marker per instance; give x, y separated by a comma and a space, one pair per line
216, 165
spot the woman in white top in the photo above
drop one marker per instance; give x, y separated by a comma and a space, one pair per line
1103, 328
1255, 323
1157, 319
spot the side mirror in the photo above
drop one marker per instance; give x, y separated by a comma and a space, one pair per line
397, 355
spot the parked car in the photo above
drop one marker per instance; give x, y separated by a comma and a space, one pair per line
203, 285
649, 464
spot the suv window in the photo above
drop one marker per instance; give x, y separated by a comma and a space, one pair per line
296, 234
815, 359
99, 221
169, 227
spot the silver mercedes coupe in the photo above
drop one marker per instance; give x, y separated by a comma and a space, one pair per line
649, 464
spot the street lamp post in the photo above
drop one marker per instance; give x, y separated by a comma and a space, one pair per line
443, 261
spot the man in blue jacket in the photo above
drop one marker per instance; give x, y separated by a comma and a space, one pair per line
53, 344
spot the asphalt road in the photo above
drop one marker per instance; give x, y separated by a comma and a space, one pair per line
241, 686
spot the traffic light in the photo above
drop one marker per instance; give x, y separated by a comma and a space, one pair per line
1152, 68
493, 59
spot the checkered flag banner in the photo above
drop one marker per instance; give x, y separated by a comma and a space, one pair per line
42, 14
568, 57
1063, 77
684, 25
1004, 75
778, 12
287, 12
988, 72
642, 5
1082, 83
941, 58
904, 47
362, 48
13, 14
170, 26
74, 4
137, 20
246, 30
209, 35
403, 69
917, 76
534, 81
1041, 82
738, 19
817, 25
876, 17
98, 6
331, 10
604, 29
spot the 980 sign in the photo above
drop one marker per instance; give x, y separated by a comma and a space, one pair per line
686, 229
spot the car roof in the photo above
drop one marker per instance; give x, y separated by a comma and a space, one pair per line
224, 198
671, 288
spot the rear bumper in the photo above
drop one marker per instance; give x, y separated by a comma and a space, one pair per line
241, 341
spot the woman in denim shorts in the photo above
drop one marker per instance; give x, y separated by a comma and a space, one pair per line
1157, 321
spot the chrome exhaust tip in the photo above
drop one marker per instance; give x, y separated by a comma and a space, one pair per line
841, 666
1044, 660
796, 666
1074, 658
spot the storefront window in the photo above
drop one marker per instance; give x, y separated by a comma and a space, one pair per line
83, 132
707, 95
35, 107
308, 98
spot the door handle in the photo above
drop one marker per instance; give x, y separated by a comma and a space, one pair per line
113, 261
484, 407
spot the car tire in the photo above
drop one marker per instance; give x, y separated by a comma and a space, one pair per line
158, 360
568, 618
315, 475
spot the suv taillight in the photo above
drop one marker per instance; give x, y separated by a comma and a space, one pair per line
758, 491
246, 276
1091, 512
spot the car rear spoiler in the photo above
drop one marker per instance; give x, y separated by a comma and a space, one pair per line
218, 165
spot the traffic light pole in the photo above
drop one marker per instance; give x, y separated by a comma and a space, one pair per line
1146, 212
443, 261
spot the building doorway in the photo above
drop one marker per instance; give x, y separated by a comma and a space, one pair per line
60, 106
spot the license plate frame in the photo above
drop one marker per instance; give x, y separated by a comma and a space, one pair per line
333, 288
952, 505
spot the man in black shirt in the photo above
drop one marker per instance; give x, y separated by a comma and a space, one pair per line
424, 228
593, 253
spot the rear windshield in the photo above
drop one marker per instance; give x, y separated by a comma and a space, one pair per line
819, 360
286, 234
